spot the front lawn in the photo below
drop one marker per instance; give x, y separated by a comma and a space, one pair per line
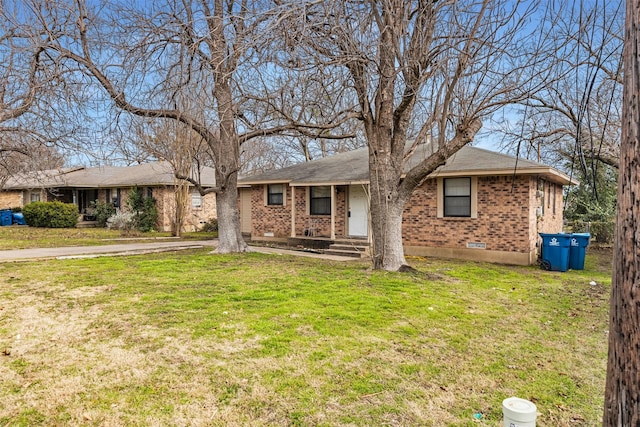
191, 338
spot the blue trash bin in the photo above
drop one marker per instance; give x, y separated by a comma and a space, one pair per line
577, 250
555, 251
6, 217
18, 218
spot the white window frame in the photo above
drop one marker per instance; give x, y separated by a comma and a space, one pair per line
35, 196
474, 198
266, 195
309, 193
196, 201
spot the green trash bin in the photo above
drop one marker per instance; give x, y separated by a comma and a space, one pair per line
555, 251
577, 250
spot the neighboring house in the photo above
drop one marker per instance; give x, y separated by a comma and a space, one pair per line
112, 184
480, 205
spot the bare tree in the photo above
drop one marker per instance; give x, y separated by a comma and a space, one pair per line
212, 53
576, 113
26, 78
315, 97
183, 149
423, 73
622, 394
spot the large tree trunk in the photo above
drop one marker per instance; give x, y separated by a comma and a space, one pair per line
386, 221
622, 394
386, 208
229, 233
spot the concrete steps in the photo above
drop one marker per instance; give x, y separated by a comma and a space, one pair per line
87, 224
349, 248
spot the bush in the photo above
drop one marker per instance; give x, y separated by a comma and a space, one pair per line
601, 231
121, 221
145, 214
51, 214
211, 225
103, 211
17, 209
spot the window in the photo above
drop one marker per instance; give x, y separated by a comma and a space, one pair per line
34, 197
457, 197
196, 200
275, 193
320, 200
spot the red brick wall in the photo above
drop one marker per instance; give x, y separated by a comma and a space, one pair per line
502, 224
270, 219
166, 205
548, 219
506, 221
277, 219
10, 199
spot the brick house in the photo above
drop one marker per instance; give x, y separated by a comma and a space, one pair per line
480, 205
112, 184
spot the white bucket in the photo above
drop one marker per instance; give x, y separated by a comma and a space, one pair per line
519, 412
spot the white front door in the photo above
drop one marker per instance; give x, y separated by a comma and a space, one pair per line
358, 211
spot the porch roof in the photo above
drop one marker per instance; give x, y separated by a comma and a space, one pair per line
352, 167
144, 175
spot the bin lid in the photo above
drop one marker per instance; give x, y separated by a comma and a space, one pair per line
558, 239
580, 239
518, 409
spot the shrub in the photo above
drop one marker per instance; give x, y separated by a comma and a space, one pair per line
121, 221
211, 225
103, 211
17, 209
145, 214
51, 214
601, 231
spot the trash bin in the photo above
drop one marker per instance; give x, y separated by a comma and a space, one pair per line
519, 412
577, 250
555, 251
5, 217
18, 218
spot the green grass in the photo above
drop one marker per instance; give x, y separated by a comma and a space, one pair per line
197, 339
21, 237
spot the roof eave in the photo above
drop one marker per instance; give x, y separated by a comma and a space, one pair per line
550, 172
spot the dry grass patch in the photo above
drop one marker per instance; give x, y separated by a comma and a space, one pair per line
225, 340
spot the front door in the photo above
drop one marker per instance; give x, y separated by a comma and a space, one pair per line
358, 211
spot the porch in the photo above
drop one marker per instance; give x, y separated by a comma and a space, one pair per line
344, 246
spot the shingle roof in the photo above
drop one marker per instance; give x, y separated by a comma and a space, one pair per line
146, 174
353, 167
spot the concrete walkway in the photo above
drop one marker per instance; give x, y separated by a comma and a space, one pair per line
136, 248
106, 250
280, 251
